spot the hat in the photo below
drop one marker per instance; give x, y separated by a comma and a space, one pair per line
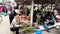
17, 11
58, 16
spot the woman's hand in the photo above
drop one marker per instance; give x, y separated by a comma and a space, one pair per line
46, 22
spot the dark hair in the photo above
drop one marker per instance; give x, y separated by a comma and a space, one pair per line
17, 14
17, 4
52, 13
21, 7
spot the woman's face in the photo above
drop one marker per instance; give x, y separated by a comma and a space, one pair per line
21, 9
17, 16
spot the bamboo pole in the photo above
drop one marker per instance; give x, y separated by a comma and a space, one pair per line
31, 13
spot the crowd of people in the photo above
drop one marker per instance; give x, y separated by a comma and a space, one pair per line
45, 19
17, 16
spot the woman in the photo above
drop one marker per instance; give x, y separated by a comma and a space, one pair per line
15, 25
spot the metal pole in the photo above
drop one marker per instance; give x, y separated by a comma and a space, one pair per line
31, 13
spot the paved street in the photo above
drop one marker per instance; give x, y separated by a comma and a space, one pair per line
5, 28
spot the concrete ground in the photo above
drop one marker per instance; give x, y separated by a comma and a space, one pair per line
5, 27
52, 31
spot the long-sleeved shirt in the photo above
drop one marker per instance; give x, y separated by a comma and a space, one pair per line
15, 23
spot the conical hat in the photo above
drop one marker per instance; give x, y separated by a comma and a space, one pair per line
58, 16
17, 11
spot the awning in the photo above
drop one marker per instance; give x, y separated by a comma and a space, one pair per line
39, 1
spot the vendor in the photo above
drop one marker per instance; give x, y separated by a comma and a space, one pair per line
15, 25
